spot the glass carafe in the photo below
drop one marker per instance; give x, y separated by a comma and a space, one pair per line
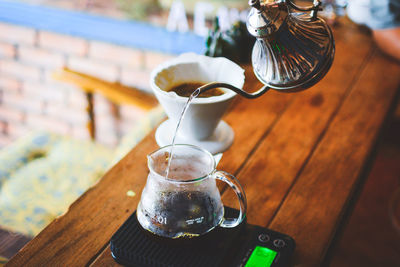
188, 202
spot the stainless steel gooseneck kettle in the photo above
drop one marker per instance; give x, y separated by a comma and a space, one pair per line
293, 51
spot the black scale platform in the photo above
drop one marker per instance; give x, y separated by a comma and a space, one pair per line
133, 246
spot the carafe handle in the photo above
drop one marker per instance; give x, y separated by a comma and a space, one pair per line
235, 185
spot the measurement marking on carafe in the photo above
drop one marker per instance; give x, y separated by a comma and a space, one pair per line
197, 220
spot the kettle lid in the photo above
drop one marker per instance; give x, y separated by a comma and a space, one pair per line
265, 19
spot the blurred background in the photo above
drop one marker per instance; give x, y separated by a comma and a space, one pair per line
75, 98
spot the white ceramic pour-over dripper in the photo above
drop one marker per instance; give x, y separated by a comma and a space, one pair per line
202, 125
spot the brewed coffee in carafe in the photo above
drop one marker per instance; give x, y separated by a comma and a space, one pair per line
188, 202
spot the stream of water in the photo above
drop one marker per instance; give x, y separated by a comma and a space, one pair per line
171, 152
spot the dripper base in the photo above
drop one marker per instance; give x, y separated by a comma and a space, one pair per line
218, 142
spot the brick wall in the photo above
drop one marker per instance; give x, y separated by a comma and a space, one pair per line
30, 100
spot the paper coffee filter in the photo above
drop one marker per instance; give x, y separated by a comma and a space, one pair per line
205, 113
197, 68
176, 74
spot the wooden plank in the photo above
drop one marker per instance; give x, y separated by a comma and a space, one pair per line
245, 118
94, 217
116, 92
273, 167
313, 208
251, 120
269, 173
105, 259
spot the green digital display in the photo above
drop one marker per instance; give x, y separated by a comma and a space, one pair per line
261, 257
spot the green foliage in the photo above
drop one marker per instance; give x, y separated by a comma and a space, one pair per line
139, 9
235, 43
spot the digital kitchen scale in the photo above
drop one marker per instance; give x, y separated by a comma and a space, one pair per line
245, 246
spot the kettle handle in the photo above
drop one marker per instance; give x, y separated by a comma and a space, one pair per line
313, 9
235, 185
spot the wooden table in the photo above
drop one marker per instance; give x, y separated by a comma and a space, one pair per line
300, 158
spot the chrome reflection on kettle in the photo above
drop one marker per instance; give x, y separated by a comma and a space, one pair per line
293, 50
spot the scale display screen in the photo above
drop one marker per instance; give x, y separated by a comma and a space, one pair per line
261, 257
